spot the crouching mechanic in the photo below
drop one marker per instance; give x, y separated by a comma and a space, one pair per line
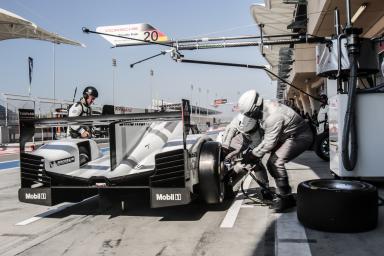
82, 108
286, 135
241, 134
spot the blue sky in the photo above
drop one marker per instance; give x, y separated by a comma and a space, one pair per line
76, 66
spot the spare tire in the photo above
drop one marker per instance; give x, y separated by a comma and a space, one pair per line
211, 174
84, 156
337, 205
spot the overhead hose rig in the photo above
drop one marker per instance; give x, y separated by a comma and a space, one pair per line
346, 41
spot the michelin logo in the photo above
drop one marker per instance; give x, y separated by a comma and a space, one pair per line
168, 197
36, 196
62, 161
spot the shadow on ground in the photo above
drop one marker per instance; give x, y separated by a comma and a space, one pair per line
137, 204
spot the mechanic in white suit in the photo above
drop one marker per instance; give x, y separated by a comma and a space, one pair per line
286, 135
82, 108
243, 133
322, 116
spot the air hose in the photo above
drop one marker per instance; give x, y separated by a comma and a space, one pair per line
349, 139
256, 200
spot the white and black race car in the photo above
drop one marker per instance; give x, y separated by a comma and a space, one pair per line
149, 151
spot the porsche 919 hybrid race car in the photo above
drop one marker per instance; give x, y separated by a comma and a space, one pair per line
147, 151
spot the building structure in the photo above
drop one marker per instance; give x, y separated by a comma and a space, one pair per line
297, 62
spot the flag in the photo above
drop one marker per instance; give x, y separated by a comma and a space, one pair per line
30, 67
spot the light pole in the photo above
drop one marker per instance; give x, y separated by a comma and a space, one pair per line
207, 100
191, 92
199, 103
113, 80
151, 73
54, 75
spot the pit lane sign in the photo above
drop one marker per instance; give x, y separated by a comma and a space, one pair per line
140, 31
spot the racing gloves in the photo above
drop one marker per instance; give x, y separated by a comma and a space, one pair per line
250, 158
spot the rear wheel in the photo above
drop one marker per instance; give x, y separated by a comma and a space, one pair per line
211, 173
84, 156
322, 146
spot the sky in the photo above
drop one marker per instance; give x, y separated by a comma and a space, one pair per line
66, 67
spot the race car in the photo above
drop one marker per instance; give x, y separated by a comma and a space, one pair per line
153, 151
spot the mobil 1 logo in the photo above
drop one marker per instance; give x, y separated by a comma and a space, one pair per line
162, 197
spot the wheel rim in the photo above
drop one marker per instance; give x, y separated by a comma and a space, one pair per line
325, 147
221, 183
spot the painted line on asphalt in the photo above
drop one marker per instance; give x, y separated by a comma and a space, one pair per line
233, 211
247, 206
9, 164
50, 212
291, 238
44, 214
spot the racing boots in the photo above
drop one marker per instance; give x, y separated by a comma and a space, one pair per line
266, 195
283, 203
284, 199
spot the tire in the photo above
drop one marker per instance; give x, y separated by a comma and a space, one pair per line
84, 156
322, 146
337, 205
211, 185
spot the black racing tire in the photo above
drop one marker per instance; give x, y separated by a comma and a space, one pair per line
211, 174
337, 205
84, 155
321, 146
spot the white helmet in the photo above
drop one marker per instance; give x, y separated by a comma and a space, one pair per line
249, 102
246, 124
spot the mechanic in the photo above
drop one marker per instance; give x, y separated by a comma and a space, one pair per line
286, 135
322, 116
82, 108
243, 133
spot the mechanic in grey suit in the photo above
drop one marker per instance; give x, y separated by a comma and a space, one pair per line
286, 135
243, 133
82, 108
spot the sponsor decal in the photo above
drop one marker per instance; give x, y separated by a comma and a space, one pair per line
135, 124
26, 114
36, 196
62, 161
168, 197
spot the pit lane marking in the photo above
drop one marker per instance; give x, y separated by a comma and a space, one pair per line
233, 211
291, 238
50, 212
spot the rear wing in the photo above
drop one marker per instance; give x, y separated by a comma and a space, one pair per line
118, 125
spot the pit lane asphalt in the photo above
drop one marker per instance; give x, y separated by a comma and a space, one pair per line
195, 229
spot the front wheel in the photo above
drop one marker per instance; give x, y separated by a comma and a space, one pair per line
211, 173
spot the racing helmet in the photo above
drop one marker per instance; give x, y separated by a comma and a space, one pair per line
90, 90
250, 103
246, 124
